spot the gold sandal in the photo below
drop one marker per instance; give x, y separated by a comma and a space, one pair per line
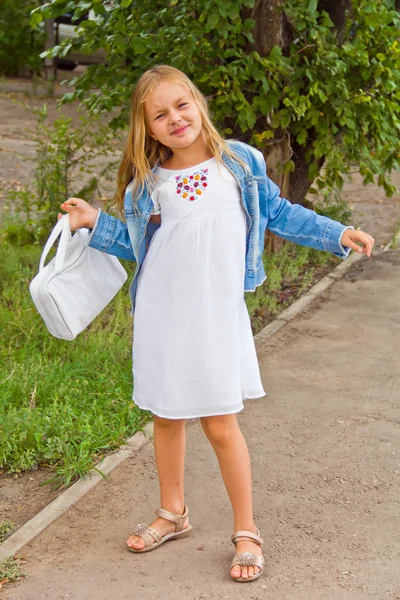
248, 559
153, 539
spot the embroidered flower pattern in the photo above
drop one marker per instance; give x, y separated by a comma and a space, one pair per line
192, 186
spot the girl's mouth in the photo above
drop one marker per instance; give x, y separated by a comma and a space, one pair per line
180, 130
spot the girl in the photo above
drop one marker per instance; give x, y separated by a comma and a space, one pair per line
196, 208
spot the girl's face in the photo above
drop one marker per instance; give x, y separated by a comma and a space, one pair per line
173, 117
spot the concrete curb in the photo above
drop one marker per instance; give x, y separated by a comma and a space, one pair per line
67, 499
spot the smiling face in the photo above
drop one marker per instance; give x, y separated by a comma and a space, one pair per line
173, 117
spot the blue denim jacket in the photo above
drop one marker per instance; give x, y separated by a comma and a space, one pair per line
264, 209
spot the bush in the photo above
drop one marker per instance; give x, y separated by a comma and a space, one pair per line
20, 45
63, 155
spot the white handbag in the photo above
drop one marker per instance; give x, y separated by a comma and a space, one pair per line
75, 286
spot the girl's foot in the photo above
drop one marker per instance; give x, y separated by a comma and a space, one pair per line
246, 572
162, 526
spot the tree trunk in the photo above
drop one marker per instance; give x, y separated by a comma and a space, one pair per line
268, 32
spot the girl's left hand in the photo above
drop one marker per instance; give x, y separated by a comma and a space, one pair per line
351, 236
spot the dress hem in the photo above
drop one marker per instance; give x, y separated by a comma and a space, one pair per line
198, 416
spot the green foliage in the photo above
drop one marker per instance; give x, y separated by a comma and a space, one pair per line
20, 45
63, 404
63, 154
341, 101
5, 528
10, 570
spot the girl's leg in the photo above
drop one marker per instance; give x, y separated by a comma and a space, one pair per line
169, 448
225, 436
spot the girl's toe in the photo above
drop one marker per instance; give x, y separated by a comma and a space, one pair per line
251, 571
244, 572
136, 543
235, 572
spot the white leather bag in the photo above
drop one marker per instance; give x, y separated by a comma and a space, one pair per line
75, 286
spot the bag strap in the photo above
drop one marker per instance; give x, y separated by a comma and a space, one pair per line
62, 227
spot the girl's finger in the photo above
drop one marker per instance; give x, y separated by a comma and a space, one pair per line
354, 246
71, 202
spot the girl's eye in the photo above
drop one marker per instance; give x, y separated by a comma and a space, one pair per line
158, 116
182, 104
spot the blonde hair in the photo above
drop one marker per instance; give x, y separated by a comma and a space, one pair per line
142, 152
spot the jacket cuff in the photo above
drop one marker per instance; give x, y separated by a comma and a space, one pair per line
102, 232
333, 239
345, 249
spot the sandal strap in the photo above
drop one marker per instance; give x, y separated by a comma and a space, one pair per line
178, 519
239, 536
149, 535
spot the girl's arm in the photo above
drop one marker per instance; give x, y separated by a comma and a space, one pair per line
302, 225
108, 234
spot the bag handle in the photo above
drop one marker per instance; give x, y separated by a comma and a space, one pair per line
62, 227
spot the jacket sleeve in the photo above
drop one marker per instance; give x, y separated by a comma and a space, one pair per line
299, 224
110, 235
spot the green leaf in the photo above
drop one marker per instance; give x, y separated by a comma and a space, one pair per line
275, 54
139, 45
350, 123
312, 6
212, 21
37, 17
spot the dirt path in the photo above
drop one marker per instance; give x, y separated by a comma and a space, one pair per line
325, 454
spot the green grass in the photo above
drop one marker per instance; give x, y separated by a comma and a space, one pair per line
10, 570
5, 528
62, 403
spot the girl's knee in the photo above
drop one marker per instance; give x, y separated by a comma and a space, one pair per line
168, 423
221, 429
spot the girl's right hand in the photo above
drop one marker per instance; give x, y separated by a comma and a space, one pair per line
81, 214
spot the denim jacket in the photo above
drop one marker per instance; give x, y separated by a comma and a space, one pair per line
264, 209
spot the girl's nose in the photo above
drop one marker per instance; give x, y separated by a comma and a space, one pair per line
175, 117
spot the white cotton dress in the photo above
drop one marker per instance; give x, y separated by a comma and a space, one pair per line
193, 348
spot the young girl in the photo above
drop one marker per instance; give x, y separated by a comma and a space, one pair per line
196, 208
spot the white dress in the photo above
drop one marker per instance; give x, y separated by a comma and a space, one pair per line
193, 348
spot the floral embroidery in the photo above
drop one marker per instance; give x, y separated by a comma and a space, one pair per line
192, 186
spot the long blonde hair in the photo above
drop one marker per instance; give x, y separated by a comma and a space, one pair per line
142, 152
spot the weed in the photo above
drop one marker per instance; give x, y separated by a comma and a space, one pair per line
10, 570
5, 528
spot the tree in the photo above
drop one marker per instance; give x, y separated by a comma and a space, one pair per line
312, 83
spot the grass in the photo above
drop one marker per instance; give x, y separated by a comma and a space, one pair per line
65, 404
62, 403
396, 237
10, 570
5, 528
